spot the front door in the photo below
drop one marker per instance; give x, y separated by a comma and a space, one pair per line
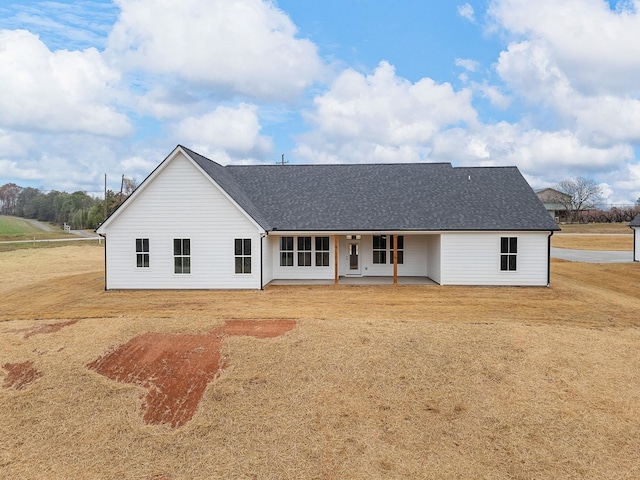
354, 258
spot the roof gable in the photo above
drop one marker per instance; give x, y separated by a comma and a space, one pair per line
228, 189
635, 222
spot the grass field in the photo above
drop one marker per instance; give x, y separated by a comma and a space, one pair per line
15, 228
373, 381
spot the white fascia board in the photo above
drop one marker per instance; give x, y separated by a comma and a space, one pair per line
319, 233
138, 191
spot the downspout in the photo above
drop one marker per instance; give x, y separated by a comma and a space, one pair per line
262, 237
105, 261
635, 232
549, 258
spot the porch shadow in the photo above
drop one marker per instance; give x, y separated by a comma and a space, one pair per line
359, 281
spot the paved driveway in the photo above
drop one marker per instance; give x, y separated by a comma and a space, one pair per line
592, 256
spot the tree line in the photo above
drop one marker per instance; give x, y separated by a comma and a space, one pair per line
79, 210
580, 201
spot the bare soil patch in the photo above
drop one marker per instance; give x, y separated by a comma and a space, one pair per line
44, 329
175, 369
20, 375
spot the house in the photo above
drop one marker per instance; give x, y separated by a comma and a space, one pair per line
635, 225
555, 202
194, 224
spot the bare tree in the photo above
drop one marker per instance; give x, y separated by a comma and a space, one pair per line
580, 194
129, 185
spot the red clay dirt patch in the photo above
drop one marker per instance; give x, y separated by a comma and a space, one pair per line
177, 368
20, 375
42, 329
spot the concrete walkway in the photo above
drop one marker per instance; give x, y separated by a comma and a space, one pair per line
592, 256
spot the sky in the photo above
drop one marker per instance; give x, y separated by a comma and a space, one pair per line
89, 88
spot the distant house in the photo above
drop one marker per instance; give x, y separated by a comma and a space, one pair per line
555, 202
194, 224
635, 225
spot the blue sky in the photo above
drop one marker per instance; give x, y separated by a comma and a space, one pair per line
95, 87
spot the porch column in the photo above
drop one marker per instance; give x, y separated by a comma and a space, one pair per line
395, 260
335, 260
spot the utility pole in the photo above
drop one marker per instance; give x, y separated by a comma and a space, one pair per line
105, 198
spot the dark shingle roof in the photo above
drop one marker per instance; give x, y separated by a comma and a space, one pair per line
635, 222
416, 196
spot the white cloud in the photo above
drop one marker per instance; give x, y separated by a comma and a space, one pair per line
597, 49
245, 46
58, 91
381, 116
466, 11
467, 64
535, 151
233, 130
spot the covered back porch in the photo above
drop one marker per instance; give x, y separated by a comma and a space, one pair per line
352, 258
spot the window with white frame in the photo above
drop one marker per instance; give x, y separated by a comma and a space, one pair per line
508, 254
182, 255
242, 251
322, 251
379, 249
286, 251
142, 252
304, 251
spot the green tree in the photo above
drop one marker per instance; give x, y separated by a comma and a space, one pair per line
9, 194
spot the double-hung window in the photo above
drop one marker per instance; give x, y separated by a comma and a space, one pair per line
322, 251
508, 253
243, 255
142, 252
400, 259
304, 251
182, 255
286, 251
380, 249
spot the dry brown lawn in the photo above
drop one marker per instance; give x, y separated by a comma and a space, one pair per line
594, 236
373, 382
593, 242
596, 228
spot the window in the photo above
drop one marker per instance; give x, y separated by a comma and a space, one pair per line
286, 251
142, 252
400, 259
379, 249
304, 251
243, 255
322, 251
508, 253
182, 255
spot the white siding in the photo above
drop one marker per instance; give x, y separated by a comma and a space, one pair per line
474, 259
636, 239
295, 272
267, 262
415, 258
181, 203
433, 253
